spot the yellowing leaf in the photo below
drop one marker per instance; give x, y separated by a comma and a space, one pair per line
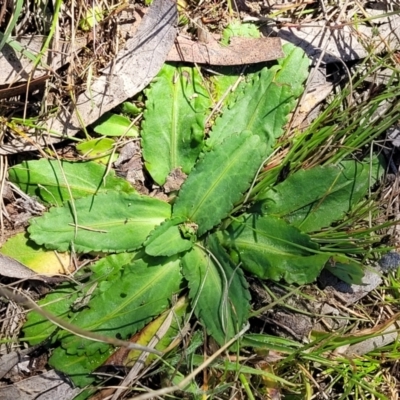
36, 257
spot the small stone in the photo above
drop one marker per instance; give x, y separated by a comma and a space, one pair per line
390, 262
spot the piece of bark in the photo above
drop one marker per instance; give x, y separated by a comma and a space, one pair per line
14, 269
311, 100
351, 293
388, 336
16, 69
239, 52
18, 88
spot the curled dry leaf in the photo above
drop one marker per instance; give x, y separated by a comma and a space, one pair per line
240, 51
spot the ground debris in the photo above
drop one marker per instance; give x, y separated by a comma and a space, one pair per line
47, 386
132, 70
323, 310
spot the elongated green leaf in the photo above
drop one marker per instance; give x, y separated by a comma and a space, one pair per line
265, 342
219, 180
311, 206
143, 290
218, 291
167, 240
173, 127
266, 103
271, 249
109, 222
38, 328
234, 366
49, 179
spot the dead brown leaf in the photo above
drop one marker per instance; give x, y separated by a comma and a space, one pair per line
240, 51
343, 42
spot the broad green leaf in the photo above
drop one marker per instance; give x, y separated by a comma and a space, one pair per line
167, 240
218, 181
310, 206
109, 222
144, 290
35, 257
38, 328
173, 126
115, 125
98, 149
141, 291
218, 291
266, 103
271, 249
49, 180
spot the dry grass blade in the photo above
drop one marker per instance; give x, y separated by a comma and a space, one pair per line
193, 374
